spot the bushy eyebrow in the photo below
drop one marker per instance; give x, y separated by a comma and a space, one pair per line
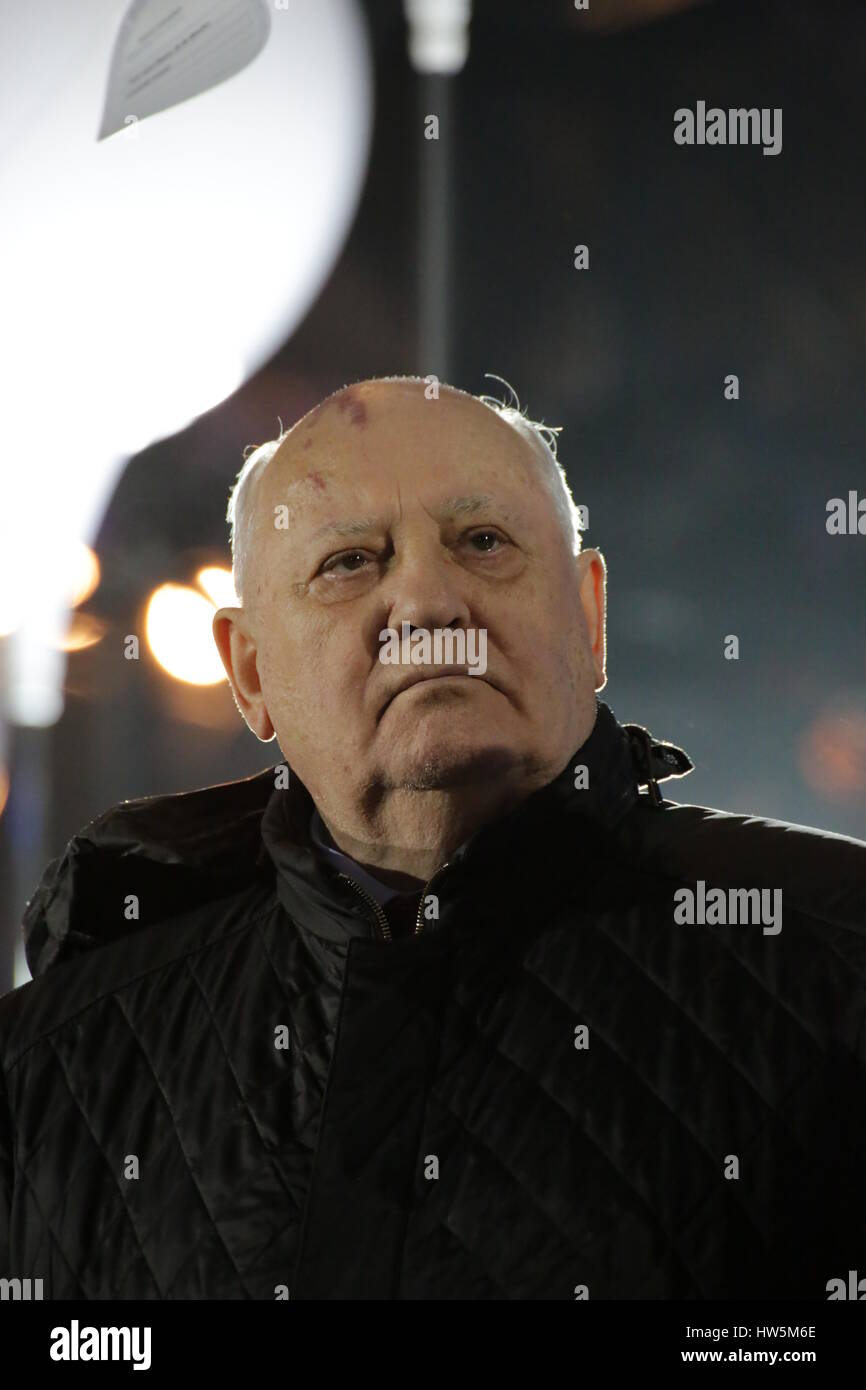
452, 506
461, 505
360, 527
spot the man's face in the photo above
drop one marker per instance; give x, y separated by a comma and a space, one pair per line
399, 509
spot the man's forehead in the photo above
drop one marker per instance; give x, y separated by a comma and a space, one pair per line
366, 405
369, 423
464, 504
339, 461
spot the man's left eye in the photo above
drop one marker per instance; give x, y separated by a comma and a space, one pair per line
485, 540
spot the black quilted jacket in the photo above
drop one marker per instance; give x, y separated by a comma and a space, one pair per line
553, 1092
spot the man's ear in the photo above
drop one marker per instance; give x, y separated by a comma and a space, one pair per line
592, 579
238, 653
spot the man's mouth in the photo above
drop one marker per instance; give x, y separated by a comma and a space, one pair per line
430, 674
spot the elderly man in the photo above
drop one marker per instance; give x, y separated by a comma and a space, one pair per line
450, 1002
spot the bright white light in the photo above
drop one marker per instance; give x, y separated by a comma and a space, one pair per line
144, 277
217, 584
84, 631
9, 613
438, 34
178, 627
74, 574
85, 576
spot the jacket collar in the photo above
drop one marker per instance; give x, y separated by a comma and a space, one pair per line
177, 853
551, 823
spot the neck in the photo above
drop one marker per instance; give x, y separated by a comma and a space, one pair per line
405, 836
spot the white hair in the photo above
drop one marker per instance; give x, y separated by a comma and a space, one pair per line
240, 509
542, 438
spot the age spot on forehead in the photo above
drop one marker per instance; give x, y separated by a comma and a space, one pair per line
356, 409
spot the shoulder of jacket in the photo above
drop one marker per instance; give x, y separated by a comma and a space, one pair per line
821, 874
31, 1012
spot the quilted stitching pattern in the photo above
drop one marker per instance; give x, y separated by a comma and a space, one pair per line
556, 1167
616, 1149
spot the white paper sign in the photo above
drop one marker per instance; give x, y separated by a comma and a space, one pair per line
167, 51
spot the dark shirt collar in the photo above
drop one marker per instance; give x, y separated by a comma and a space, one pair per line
381, 892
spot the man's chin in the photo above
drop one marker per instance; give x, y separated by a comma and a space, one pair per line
430, 743
446, 768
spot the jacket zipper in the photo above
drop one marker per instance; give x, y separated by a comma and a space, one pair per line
418, 927
381, 920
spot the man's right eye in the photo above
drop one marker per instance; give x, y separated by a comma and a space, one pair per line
349, 562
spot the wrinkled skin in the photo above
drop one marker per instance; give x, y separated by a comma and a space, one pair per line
433, 512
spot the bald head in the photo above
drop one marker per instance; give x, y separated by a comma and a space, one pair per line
398, 507
353, 422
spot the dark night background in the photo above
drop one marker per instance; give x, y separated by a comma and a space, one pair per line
703, 262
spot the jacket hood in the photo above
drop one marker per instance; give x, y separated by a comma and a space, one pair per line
177, 852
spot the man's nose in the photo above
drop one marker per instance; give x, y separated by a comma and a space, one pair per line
425, 590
